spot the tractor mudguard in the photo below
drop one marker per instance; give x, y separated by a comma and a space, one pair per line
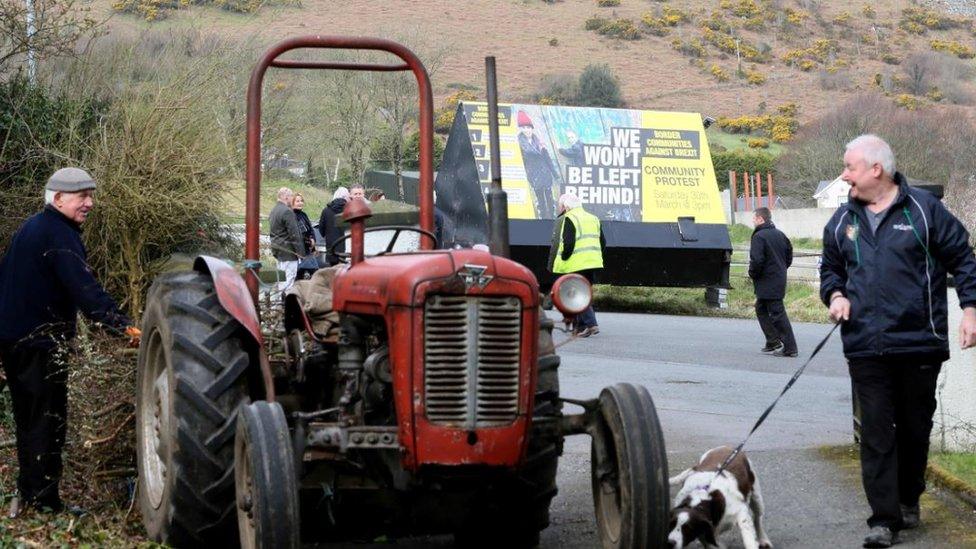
235, 298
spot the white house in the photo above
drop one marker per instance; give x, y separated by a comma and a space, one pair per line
831, 194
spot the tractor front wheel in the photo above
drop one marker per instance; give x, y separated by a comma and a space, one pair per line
264, 475
629, 470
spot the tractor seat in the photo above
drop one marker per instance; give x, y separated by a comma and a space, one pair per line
315, 298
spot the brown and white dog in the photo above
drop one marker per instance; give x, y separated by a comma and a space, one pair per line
707, 506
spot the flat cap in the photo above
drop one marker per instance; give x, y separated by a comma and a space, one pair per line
70, 180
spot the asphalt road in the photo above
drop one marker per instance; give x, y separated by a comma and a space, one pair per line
710, 383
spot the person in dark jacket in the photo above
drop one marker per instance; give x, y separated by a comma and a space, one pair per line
885, 258
45, 281
770, 254
329, 227
539, 170
304, 223
286, 238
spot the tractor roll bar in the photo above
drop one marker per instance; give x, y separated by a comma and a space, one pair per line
253, 166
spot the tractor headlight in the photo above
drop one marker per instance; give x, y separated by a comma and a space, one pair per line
571, 294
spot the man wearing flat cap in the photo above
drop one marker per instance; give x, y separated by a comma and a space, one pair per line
45, 281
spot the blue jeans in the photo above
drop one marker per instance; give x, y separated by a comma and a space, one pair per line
586, 319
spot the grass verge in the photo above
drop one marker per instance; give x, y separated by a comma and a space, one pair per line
742, 235
956, 472
802, 300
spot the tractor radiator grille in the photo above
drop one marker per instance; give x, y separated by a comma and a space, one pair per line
471, 355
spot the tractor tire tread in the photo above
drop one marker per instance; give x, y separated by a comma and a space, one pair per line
209, 362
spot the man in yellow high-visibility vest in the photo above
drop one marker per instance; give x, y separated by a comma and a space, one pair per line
577, 247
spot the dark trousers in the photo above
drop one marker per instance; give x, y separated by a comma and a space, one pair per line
38, 388
897, 400
775, 324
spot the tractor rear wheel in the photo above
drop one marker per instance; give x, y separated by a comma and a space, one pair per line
265, 479
190, 383
630, 488
514, 515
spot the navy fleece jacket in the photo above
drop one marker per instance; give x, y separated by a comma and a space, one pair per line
45, 280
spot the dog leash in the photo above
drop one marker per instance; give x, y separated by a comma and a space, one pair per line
762, 418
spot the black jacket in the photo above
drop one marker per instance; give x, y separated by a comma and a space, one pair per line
45, 280
897, 289
330, 230
770, 254
305, 228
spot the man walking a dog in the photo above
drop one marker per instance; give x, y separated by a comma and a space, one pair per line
770, 254
885, 258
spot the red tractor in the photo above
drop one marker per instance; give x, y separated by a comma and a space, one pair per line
425, 400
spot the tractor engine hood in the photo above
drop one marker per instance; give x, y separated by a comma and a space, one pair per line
392, 280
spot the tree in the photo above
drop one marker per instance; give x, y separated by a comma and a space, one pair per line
932, 144
351, 119
599, 87
58, 25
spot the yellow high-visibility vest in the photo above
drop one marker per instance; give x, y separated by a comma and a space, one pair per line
587, 253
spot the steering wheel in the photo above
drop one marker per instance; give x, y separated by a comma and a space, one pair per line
397, 229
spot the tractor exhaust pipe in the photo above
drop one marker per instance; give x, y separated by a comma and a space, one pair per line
497, 198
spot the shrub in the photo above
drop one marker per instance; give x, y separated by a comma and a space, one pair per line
758, 143
692, 48
908, 101
673, 16
720, 74
742, 8
623, 29
843, 18
594, 23
444, 117
935, 95
411, 152
608, 3
654, 25
917, 20
890, 59
961, 51
745, 124
554, 42
780, 127
795, 17
559, 89
755, 77
741, 160
599, 87
805, 59
783, 128
868, 11
716, 22
40, 131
